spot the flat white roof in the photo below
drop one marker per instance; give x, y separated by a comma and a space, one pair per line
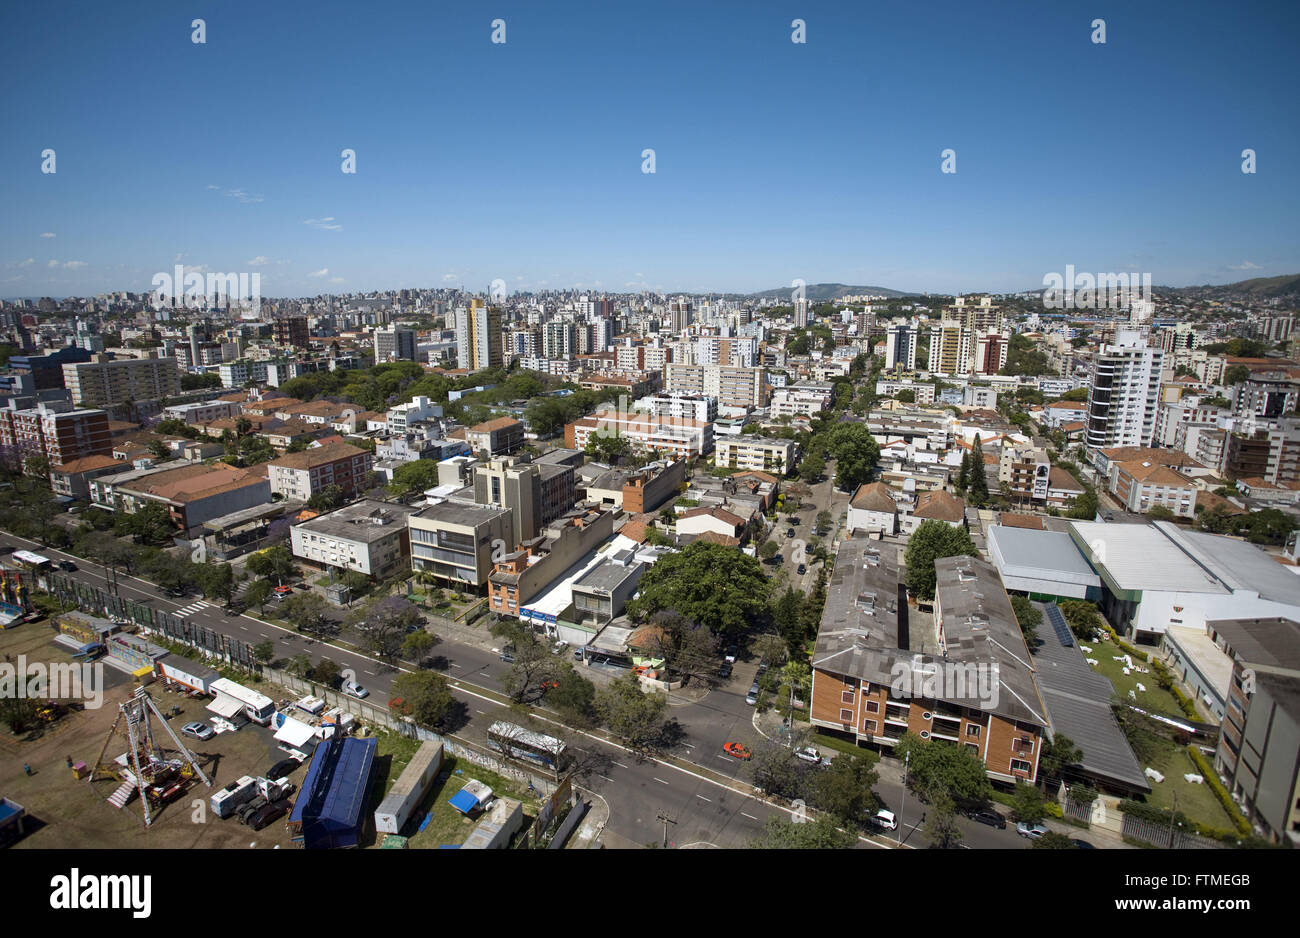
1142, 557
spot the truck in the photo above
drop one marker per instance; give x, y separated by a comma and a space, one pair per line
238, 793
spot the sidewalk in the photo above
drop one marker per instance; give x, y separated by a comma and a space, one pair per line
588, 834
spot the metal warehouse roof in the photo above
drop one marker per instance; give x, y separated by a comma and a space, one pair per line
1143, 557
1041, 555
1078, 705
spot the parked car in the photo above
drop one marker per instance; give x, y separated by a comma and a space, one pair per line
732, 652
67, 565
739, 750
1031, 831
176, 592
752, 697
559, 647
268, 814
789, 532
885, 819
577, 654
283, 768
197, 730
507, 657
283, 589
991, 818
724, 670
808, 754
353, 689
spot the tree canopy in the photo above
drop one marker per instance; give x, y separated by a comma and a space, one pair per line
717, 586
855, 452
933, 540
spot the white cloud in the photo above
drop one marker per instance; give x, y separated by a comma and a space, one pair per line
213, 187
53, 264
27, 263
323, 224
242, 196
74, 265
48, 234
195, 269
258, 261
323, 272
1245, 265
446, 278
337, 280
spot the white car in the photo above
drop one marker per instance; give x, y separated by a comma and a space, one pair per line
886, 820
808, 754
353, 689
558, 647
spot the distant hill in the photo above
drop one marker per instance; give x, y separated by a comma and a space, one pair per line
824, 292
1260, 288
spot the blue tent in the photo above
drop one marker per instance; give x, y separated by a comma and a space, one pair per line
464, 801
333, 794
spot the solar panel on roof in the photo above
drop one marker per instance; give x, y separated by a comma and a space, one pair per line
1062, 627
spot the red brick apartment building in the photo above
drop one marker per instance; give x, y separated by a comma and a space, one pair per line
876, 675
302, 475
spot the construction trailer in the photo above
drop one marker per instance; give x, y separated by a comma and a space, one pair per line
496, 828
175, 670
409, 789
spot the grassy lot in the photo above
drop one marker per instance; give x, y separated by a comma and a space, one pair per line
1196, 801
448, 825
1153, 698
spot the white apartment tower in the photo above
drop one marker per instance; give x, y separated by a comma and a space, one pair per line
1124, 395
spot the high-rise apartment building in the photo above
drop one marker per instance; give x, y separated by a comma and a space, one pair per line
102, 382
801, 312
394, 344
292, 330
478, 336
900, 347
1124, 394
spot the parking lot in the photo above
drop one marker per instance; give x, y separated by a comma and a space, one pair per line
70, 813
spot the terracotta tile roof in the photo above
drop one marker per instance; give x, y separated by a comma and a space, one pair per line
87, 464
634, 530
721, 514
193, 482
1154, 474
713, 537
1073, 427
754, 473
320, 456
499, 423
1060, 479
874, 496
940, 506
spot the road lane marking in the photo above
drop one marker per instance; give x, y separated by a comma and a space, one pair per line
702, 798
750, 816
605, 777
659, 780
619, 764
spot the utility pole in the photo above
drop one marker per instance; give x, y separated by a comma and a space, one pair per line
667, 820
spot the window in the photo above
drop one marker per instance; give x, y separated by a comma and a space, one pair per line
975, 749
973, 729
846, 696
873, 706
869, 727
1018, 765
846, 716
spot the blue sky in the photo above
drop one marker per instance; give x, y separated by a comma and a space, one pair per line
522, 161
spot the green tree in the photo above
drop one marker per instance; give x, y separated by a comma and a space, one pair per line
635, 717
534, 666
941, 830
1028, 617
774, 769
771, 649
769, 550
1085, 506
304, 611
963, 474
977, 488
811, 467
416, 476
216, 580
855, 452
906, 396
931, 541
151, 523
844, 788
1082, 616
687, 648
1078, 395
781, 833
257, 594
574, 699
1027, 803
264, 651
417, 645
425, 697
936, 767
1054, 841
1236, 375
327, 499
274, 563
787, 616
607, 447
1059, 754
717, 586
326, 672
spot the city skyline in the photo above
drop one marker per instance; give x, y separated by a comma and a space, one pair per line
523, 160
